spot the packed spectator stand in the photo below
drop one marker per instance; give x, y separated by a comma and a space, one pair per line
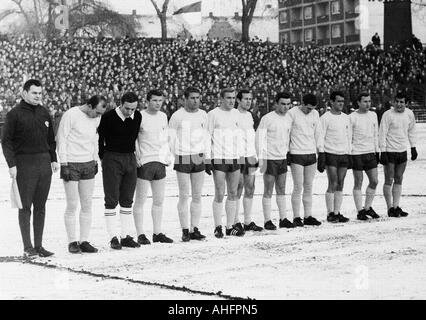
73, 70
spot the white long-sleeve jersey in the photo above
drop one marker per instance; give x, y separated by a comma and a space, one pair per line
225, 134
246, 125
306, 133
188, 133
365, 132
273, 136
77, 138
337, 134
397, 131
152, 142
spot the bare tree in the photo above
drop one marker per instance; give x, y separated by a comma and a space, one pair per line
87, 17
7, 12
249, 6
162, 15
93, 16
31, 22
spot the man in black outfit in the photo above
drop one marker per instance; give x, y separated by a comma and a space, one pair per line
118, 131
376, 40
29, 148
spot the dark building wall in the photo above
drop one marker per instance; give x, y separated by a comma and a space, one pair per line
397, 25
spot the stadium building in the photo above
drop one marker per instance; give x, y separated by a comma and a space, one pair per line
330, 22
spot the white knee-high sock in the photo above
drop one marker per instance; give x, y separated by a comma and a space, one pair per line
217, 213
85, 225
195, 214
266, 205
157, 215
396, 194
338, 198
111, 222
307, 204
357, 199
70, 223
126, 220
387, 193
183, 211
138, 214
247, 205
230, 208
329, 201
369, 197
237, 210
296, 198
280, 198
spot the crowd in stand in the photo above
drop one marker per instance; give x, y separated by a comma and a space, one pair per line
73, 70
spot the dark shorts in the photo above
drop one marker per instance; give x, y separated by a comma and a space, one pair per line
303, 159
82, 170
249, 166
397, 157
337, 160
274, 167
364, 162
152, 171
226, 165
190, 164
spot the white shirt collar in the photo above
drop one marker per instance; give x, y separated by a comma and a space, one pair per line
121, 115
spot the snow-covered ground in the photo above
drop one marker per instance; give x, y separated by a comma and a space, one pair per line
382, 259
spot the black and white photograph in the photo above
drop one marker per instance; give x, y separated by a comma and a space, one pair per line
219, 150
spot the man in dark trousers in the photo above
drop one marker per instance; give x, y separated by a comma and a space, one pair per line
29, 148
376, 40
118, 131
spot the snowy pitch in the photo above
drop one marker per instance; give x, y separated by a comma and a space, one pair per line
384, 259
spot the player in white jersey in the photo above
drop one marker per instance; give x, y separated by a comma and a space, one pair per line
77, 144
249, 163
305, 141
272, 141
189, 142
152, 157
364, 155
224, 161
397, 130
337, 147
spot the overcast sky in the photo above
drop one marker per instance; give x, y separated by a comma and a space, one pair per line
218, 7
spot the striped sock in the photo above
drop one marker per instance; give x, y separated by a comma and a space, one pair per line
110, 221
126, 220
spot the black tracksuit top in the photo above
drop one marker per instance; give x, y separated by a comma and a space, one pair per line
117, 135
28, 130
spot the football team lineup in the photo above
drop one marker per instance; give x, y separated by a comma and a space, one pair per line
135, 148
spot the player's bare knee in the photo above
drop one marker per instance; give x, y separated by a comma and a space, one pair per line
388, 181
196, 198
373, 184
232, 195
71, 208
397, 180
249, 194
219, 197
267, 193
183, 197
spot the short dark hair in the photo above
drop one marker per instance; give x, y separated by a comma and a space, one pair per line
31, 82
241, 92
362, 94
190, 90
310, 98
400, 94
95, 100
129, 97
335, 94
282, 95
153, 92
226, 90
